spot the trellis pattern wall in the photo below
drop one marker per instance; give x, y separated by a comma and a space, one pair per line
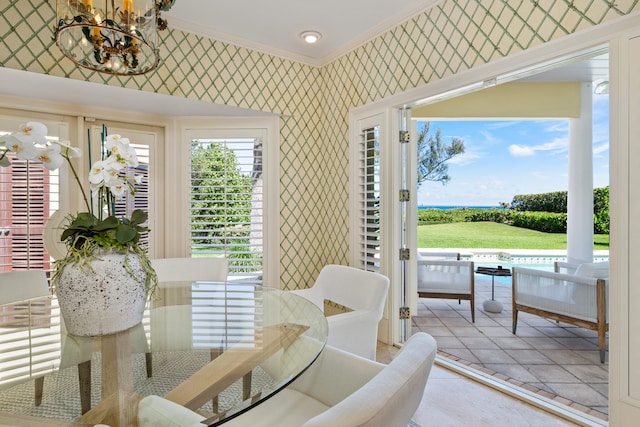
451, 37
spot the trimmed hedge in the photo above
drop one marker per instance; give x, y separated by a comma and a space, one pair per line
545, 202
557, 202
547, 222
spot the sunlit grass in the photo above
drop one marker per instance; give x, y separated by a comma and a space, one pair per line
492, 235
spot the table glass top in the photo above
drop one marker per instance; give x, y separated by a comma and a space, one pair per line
217, 348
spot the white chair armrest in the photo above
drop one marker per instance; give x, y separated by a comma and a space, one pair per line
312, 295
353, 332
336, 375
154, 411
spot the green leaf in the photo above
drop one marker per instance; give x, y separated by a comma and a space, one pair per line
108, 224
138, 217
125, 234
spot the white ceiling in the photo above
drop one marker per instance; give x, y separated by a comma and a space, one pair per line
274, 26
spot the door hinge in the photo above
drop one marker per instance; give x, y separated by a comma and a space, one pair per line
405, 195
405, 137
404, 254
405, 313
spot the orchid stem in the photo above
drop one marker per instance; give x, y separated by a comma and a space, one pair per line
75, 175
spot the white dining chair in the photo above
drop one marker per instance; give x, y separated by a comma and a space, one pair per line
362, 294
189, 269
172, 305
339, 390
23, 288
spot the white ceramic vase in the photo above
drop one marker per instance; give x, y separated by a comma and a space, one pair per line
109, 299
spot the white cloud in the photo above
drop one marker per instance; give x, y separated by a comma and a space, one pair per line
489, 137
601, 148
521, 150
502, 124
559, 126
557, 146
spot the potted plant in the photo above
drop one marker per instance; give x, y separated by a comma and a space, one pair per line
105, 278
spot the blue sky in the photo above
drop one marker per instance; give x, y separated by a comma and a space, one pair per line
507, 157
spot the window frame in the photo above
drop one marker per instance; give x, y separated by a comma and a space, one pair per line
177, 206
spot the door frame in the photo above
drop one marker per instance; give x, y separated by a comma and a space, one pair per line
623, 407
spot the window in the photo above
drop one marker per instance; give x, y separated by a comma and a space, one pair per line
227, 189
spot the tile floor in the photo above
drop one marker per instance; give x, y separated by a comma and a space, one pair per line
452, 400
554, 361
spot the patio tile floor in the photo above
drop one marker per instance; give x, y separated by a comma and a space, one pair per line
557, 360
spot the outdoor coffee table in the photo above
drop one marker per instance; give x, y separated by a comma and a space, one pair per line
492, 305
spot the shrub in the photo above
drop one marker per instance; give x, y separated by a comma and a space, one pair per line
547, 222
601, 210
545, 202
557, 202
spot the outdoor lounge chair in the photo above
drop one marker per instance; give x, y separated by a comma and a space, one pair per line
579, 299
444, 275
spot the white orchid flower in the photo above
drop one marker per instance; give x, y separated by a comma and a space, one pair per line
50, 157
68, 150
34, 132
138, 179
25, 150
121, 149
117, 187
115, 139
130, 156
113, 162
6, 139
96, 175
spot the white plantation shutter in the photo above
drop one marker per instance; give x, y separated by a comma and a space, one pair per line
29, 195
227, 204
368, 214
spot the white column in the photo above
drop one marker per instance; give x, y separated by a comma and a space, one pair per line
580, 197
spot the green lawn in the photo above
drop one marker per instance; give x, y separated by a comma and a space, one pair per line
495, 236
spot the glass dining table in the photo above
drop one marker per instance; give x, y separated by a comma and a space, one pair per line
215, 348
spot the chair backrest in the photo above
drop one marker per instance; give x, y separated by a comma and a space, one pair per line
355, 288
566, 294
23, 285
445, 276
175, 269
392, 396
438, 256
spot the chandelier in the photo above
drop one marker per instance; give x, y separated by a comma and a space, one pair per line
111, 36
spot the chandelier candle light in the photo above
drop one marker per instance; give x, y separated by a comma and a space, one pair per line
111, 36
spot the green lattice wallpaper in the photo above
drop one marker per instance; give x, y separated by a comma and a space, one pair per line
452, 37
